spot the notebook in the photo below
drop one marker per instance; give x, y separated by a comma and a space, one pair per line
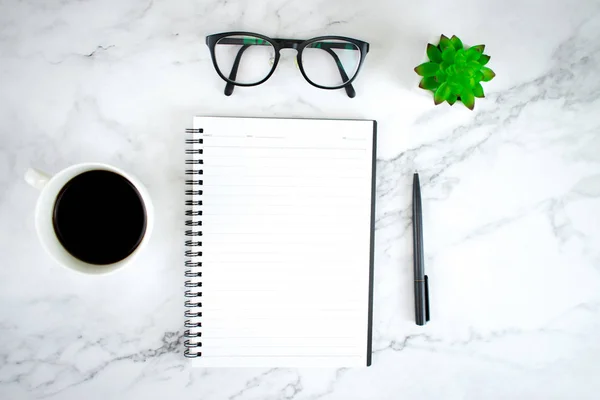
279, 242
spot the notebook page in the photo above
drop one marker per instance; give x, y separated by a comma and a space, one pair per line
286, 241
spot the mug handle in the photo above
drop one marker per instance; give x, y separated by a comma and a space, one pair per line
36, 178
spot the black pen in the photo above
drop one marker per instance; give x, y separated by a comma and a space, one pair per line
421, 284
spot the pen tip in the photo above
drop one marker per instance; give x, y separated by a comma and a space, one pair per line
416, 180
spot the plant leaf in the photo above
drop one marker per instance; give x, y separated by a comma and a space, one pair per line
427, 69
473, 54
441, 93
464, 81
468, 99
441, 76
478, 90
455, 87
478, 75
474, 65
451, 70
429, 83
456, 42
484, 59
444, 43
470, 71
434, 53
460, 58
488, 74
479, 48
452, 99
448, 55
472, 82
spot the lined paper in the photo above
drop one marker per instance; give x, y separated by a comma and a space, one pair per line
285, 241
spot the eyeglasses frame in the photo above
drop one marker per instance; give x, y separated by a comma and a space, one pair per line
279, 44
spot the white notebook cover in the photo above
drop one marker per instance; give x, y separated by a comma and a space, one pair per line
282, 273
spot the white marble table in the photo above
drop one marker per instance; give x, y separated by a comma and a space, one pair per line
511, 195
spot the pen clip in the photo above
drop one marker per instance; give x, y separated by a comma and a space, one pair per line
426, 298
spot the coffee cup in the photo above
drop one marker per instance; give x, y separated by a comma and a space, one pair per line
92, 218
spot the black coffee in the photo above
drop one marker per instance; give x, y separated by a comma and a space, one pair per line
99, 217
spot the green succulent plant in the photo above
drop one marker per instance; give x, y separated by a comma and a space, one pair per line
454, 73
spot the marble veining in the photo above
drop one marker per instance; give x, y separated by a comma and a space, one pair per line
511, 195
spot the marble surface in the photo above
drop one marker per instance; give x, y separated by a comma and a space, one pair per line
511, 195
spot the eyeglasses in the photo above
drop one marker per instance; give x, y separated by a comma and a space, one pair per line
327, 62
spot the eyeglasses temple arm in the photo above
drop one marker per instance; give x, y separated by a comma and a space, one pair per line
233, 74
349, 88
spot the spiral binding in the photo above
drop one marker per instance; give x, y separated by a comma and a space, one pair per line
193, 292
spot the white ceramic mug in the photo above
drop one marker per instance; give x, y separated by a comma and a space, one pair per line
50, 187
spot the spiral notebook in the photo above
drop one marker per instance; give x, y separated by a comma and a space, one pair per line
280, 242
